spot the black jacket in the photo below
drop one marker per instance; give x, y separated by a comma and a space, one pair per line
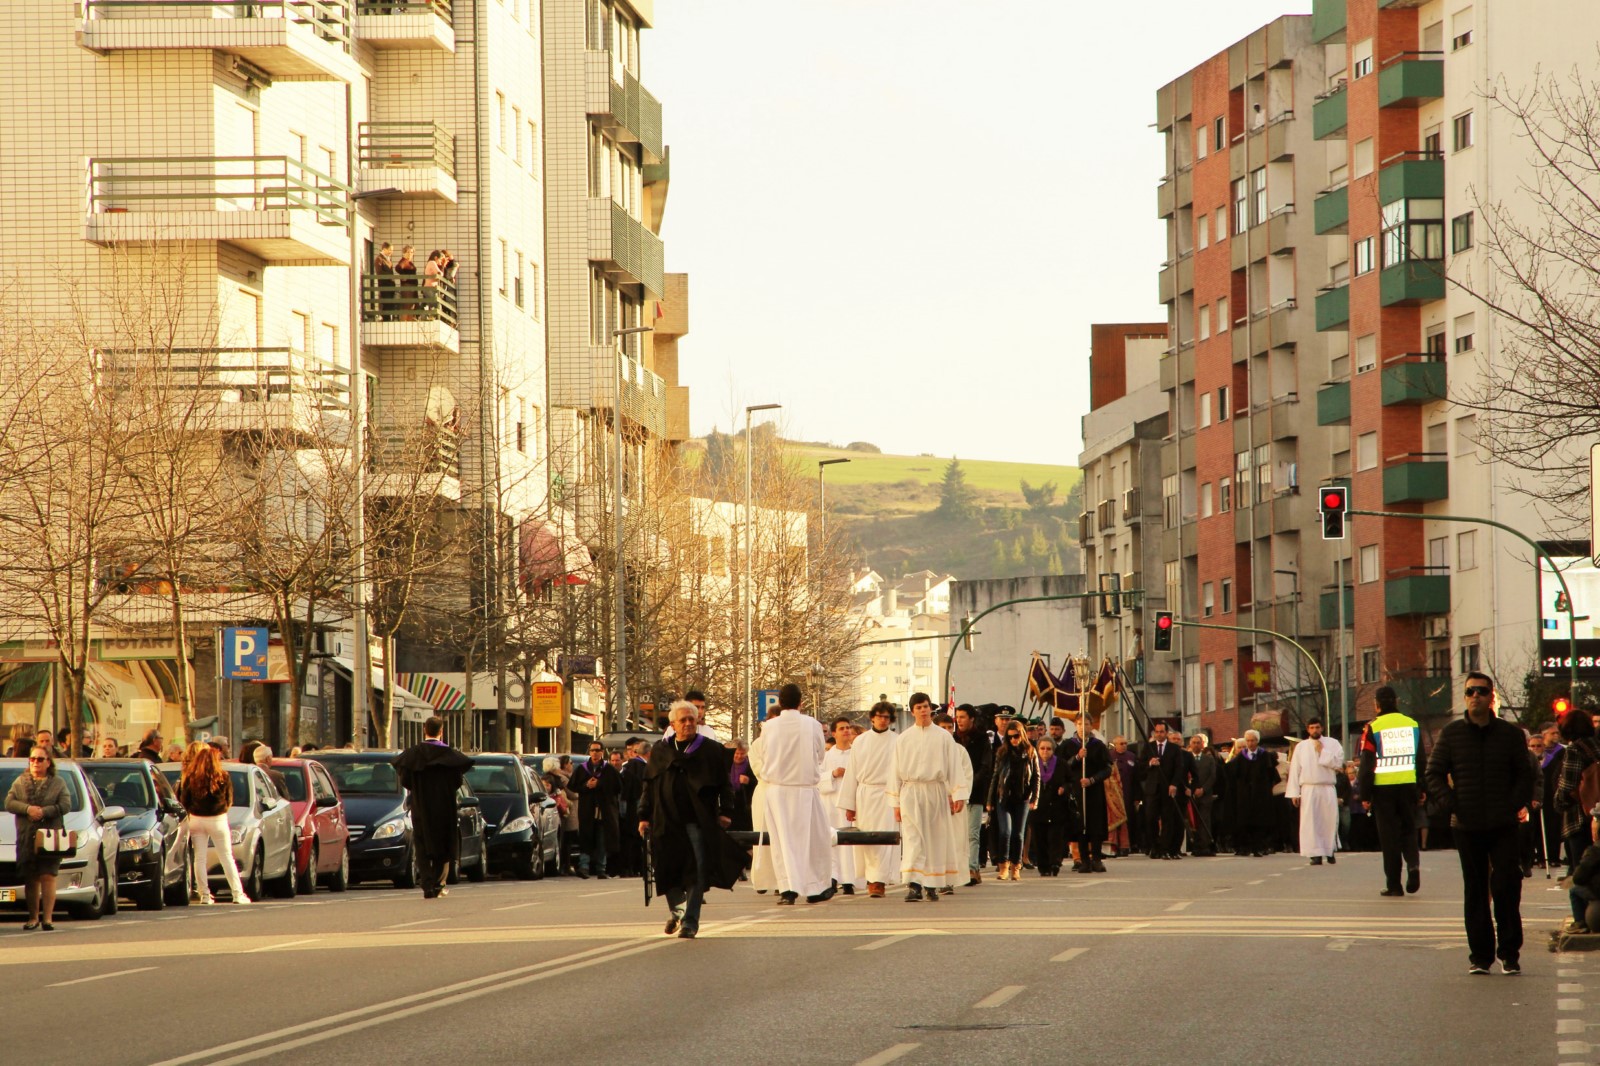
979, 746
703, 775
1173, 769
599, 804
1480, 775
1587, 872
1015, 776
432, 774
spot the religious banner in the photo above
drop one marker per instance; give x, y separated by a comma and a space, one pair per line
1255, 677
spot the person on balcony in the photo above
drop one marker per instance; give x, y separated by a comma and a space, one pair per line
383, 267
407, 282
432, 272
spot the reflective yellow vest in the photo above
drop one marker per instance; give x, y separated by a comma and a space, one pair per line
1398, 741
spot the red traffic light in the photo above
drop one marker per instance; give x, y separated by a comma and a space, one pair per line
1163, 621
1561, 705
1333, 499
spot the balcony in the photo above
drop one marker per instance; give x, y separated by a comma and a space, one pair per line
1411, 179
1130, 507
1328, 607
1416, 481
423, 462
625, 247
1330, 115
1333, 309
1410, 82
1415, 281
1416, 594
1331, 211
1085, 527
301, 39
273, 207
1105, 518
1327, 21
239, 390
402, 311
624, 108
406, 24
407, 159
1333, 404
644, 394
1414, 379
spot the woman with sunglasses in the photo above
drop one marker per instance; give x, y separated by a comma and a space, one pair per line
38, 799
1013, 792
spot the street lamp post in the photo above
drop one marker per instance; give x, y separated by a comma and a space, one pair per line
822, 500
749, 689
619, 712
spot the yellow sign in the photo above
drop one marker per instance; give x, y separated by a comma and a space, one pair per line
547, 704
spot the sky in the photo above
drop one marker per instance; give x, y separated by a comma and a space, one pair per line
900, 217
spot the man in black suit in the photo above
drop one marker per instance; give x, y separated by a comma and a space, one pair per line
632, 774
599, 787
1163, 786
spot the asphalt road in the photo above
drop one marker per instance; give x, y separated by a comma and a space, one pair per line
1225, 960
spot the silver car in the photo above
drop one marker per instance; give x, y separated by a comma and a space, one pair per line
87, 884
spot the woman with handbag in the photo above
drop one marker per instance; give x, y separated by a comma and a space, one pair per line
39, 799
206, 792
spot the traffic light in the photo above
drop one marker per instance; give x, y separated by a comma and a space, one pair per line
1333, 501
966, 633
1163, 631
1560, 705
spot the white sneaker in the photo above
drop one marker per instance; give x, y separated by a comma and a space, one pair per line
206, 901
242, 899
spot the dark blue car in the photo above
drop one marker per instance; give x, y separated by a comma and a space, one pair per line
515, 840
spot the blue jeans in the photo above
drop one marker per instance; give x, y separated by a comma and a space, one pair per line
685, 902
1011, 817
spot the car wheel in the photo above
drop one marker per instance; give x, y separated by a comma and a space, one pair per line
339, 880
178, 894
108, 898
533, 869
284, 887
255, 884
154, 895
412, 875
481, 869
308, 883
453, 874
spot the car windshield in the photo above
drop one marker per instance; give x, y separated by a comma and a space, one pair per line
122, 787
241, 787
494, 779
9, 774
371, 778
296, 776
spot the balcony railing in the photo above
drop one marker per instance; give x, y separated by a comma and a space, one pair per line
634, 249
408, 144
138, 184
633, 111
330, 18
407, 298
407, 7
1130, 506
431, 450
232, 375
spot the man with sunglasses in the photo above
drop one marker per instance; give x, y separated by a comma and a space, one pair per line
1480, 775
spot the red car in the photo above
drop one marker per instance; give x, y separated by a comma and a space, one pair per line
322, 833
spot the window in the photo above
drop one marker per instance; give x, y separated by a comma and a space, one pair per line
1205, 500
1369, 666
1241, 205
1367, 451
1361, 158
1201, 142
1169, 501
1413, 229
500, 118
517, 283
1208, 694
1228, 679
533, 148
1461, 232
1433, 343
522, 425
1363, 256
1433, 143
1205, 409
1208, 600
1241, 476
1461, 29
1368, 564
1222, 318
1467, 550
1222, 403
1463, 332
1366, 353
1258, 192
1263, 463
1205, 323
516, 135
1438, 553
1225, 495
1227, 595
505, 265
1361, 59
533, 290
1469, 654
1221, 227
1205, 231
1461, 132
1219, 131
1466, 436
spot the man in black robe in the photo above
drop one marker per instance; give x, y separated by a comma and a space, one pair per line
684, 810
431, 773
1090, 770
632, 775
1252, 773
599, 788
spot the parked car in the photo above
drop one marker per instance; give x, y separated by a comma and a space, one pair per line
322, 851
380, 823
546, 811
86, 887
516, 833
261, 823
153, 857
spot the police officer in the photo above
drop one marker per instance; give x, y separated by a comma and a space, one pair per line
1391, 749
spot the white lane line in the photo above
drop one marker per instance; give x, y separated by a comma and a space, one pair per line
889, 1054
275, 947
408, 925
99, 977
1182, 905
1569, 988
1068, 955
999, 997
519, 906
1568, 1026
1255, 882
1569, 1004
886, 941
609, 892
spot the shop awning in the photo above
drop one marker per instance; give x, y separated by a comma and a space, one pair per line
409, 706
435, 691
548, 554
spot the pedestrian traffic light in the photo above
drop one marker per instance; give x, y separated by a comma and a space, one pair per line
1560, 705
1333, 501
966, 633
1163, 631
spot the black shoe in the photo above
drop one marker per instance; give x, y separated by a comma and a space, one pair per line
947, 891
786, 899
688, 932
1414, 881
821, 897
1316, 860
1510, 967
30, 927
584, 874
1391, 892
673, 923
1332, 859
1098, 867
47, 927
931, 895
1079, 868
914, 894
848, 890
1477, 969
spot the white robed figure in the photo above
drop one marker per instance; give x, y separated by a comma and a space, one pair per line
846, 863
959, 827
925, 786
787, 760
863, 791
1313, 769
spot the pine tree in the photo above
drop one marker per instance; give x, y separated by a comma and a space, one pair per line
1038, 547
1000, 562
1018, 558
956, 497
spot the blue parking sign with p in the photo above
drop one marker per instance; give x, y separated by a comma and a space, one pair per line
766, 703
244, 654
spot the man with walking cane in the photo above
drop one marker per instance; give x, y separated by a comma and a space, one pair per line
1391, 749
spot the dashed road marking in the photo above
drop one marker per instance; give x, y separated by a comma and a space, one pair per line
1569, 988
886, 941
99, 977
275, 947
519, 906
999, 997
424, 921
889, 1054
1068, 955
1182, 905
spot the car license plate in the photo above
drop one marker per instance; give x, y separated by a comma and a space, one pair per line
8, 895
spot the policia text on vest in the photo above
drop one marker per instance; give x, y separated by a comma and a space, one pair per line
1391, 747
